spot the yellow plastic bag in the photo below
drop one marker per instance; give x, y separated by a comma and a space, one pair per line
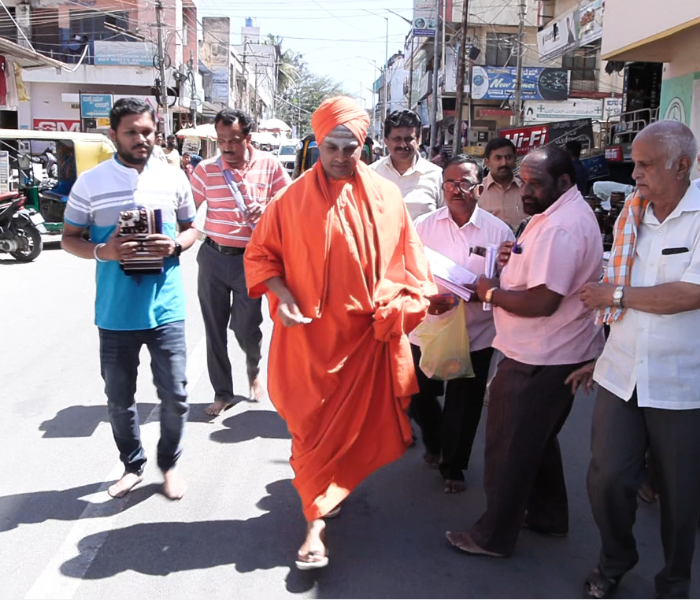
444, 346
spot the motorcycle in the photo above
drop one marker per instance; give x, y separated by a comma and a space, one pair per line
20, 228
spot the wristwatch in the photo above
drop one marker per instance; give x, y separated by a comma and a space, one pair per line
489, 295
178, 249
617, 296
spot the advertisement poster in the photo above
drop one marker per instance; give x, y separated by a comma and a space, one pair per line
425, 18
526, 139
558, 37
590, 22
55, 125
498, 83
220, 84
545, 111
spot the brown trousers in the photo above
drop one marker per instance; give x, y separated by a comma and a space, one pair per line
523, 471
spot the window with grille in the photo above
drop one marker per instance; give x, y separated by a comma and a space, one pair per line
501, 49
8, 30
93, 27
582, 64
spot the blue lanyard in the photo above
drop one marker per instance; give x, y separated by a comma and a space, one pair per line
233, 186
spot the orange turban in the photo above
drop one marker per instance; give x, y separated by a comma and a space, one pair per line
340, 111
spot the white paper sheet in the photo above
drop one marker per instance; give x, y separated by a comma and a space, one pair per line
449, 274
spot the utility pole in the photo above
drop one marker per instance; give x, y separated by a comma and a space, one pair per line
436, 79
161, 67
461, 68
518, 113
193, 90
386, 76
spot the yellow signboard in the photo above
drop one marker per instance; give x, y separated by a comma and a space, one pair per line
102, 122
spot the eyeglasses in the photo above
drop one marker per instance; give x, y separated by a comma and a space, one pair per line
466, 187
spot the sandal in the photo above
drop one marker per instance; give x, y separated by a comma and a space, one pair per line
599, 586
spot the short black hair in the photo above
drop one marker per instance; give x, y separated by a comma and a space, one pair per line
497, 144
129, 106
574, 147
233, 116
402, 118
463, 159
558, 162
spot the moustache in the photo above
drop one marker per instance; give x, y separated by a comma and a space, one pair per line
528, 199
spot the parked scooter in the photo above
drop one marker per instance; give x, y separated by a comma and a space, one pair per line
20, 228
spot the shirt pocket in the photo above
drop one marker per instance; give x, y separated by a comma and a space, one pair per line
672, 267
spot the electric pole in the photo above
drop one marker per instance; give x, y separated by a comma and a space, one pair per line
386, 77
193, 90
461, 68
436, 79
519, 79
161, 67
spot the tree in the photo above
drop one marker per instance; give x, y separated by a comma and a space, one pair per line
299, 91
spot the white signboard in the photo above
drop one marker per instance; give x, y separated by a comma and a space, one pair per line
590, 22
4, 171
451, 73
131, 54
425, 18
567, 110
612, 107
220, 85
558, 37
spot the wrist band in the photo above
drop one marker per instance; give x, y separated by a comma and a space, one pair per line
94, 252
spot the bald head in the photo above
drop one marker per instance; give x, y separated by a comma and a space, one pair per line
663, 155
673, 140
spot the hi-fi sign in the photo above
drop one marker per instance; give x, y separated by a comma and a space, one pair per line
526, 138
56, 125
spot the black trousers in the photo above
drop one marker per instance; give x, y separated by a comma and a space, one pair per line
450, 432
523, 470
622, 432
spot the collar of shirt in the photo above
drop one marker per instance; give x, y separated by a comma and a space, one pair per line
474, 220
489, 181
690, 202
419, 166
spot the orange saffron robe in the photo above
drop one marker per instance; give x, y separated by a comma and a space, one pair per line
350, 256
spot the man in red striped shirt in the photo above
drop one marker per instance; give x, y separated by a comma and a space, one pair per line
237, 186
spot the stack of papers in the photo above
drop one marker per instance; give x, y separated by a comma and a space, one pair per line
449, 274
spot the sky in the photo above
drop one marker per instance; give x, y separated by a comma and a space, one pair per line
339, 38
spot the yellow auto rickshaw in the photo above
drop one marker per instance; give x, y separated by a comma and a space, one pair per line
45, 165
308, 154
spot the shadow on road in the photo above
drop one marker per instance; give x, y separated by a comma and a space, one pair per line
82, 421
159, 549
64, 505
250, 425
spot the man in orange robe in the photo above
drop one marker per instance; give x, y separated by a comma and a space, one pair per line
346, 279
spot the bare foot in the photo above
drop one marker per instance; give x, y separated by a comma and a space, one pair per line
256, 390
454, 486
124, 485
217, 407
313, 554
175, 485
432, 460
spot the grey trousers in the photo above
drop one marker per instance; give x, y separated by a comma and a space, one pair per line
621, 434
224, 300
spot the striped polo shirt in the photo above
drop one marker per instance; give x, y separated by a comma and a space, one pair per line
258, 183
127, 302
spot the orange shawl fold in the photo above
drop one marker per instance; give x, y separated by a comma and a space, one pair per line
351, 258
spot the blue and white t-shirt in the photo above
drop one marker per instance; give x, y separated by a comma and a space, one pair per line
127, 302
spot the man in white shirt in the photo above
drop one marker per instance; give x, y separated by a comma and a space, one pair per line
649, 393
452, 231
418, 179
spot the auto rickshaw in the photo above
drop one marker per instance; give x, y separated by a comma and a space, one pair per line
307, 154
74, 154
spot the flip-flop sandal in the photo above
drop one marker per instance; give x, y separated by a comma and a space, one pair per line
607, 586
319, 563
333, 513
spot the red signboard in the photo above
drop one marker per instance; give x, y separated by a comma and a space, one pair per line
613, 153
55, 125
526, 138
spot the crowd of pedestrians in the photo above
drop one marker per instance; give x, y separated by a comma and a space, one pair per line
341, 253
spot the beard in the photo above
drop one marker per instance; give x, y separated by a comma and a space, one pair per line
129, 158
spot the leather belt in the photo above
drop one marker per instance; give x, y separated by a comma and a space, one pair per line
227, 250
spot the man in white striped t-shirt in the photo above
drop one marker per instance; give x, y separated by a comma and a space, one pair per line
237, 187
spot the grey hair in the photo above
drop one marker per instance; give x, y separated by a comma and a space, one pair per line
676, 138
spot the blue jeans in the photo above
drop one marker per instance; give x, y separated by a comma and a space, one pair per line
119, 359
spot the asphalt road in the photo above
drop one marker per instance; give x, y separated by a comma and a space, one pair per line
236, 532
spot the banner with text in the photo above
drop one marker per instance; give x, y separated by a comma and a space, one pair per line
498, 83
425, 18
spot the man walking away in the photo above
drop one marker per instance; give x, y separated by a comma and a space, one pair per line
501, 195
574, 149
172, 156
545, 334
136, 310
649, 395
237, 187
418, 179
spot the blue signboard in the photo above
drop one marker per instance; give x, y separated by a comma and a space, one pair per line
597, 166
95, 106
498, 83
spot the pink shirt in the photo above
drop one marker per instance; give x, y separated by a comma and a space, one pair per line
561, 249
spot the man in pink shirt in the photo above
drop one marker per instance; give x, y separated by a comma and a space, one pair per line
545, 334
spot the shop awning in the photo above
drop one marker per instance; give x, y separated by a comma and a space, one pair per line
27, 57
